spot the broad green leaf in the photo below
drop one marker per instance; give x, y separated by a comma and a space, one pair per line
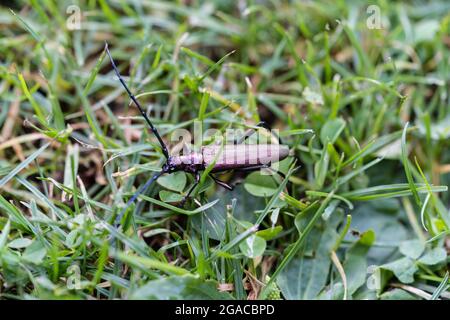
270, 233
260, 185
335, 292
390, 206
293, 249
383, 217
434, 256
169, 196
397, 294
355, 265
20, 243
412, 248
305, 276
35, 253
404, 269
253, 246
302, 218
175, 181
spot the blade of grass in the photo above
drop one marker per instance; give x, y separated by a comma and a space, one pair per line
40, 112
179, 210
23, 164
4, 235
276, 195
443, 286
408, 169
143, 262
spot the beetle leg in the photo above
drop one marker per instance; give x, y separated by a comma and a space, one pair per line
252, 131
142, 189
264, 125
281, 174
252, 168
262, 166
221, 183
197, 180
249, 133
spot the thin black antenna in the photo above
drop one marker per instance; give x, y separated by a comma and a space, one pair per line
136, 195
132, 97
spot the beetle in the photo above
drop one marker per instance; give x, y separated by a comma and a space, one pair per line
234, 156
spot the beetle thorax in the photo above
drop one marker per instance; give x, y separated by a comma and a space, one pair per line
191, 162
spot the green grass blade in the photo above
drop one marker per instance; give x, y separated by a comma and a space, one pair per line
23, 165
406, 165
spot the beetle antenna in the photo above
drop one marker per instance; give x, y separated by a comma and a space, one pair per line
137, 194
133, 98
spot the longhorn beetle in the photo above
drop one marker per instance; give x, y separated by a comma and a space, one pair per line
227, 157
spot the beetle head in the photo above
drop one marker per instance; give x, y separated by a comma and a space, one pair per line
172, 164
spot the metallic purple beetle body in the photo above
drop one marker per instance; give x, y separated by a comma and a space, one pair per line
229, 157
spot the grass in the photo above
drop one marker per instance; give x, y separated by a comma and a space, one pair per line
363, 214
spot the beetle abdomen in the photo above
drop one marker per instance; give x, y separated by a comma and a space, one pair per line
243, 155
